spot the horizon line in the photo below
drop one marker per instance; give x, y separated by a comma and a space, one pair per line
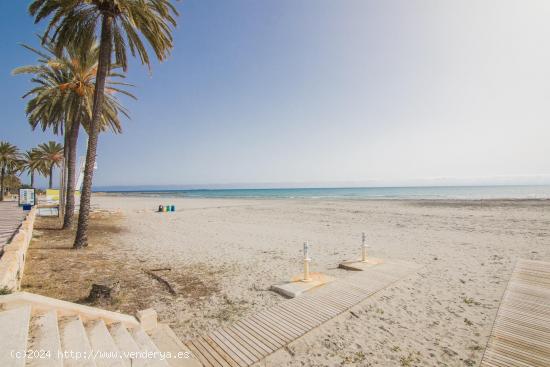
170, 188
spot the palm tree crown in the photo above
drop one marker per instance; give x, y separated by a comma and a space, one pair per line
10, 162
34, 162
52, 155
64, 86
77, 22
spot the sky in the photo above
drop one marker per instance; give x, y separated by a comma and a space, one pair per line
321, 92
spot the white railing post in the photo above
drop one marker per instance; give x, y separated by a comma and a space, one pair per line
363, 248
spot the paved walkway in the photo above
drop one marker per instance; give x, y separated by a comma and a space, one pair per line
11, 216
521, 332
255, 337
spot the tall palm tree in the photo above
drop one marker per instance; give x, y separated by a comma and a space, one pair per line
10, 161
52, 155
120, 24
62, 99
32, 163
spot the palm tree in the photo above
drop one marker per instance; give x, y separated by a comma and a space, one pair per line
52, 155
33, 162
62, 100
120, 24
10, 161
12, 182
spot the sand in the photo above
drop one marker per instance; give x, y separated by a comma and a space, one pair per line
440, 316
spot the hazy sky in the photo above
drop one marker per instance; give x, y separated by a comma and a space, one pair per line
324, 91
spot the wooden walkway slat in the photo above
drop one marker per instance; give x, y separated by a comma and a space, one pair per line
249, 339
272, 343
281, 320
249, 344
239, 348
251, 335
202, 359
255, 337
265, 331
315, 311
213, 352
208, 359
521, 332
294, 317
305, 314
226, 357
11, 216
280, 330
228, 348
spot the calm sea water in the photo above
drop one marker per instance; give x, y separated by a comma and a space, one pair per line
440, 192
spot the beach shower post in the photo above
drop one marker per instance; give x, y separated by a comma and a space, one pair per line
363, 248
307, 260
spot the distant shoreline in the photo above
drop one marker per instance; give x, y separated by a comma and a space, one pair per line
452, 193
420, 201
403, 199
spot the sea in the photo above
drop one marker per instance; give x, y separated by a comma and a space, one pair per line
423, 192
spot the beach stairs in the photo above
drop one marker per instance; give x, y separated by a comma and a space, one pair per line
38, 331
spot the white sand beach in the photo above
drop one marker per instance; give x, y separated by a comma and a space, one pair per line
440, 316
269, 124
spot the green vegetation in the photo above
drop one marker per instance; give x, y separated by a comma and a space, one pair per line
354, 358
470, 301
51, 153
82, 59
62, 100
120, 25
409, 360
33, 162
10, 163
42, 159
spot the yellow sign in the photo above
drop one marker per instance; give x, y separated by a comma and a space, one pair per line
52, 195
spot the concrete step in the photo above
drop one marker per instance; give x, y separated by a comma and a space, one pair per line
103, 345
126, 345
145, 344
44, 341
75, 343
14, 331
167, 342
42, 304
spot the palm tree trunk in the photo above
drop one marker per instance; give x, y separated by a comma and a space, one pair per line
104, 60
63, 174
2, 183
32, 178
71, 173
50, 184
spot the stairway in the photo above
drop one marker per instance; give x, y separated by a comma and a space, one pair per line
62, 334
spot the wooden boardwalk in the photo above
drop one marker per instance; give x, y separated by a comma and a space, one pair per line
521, 332
257, 336
11, 216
